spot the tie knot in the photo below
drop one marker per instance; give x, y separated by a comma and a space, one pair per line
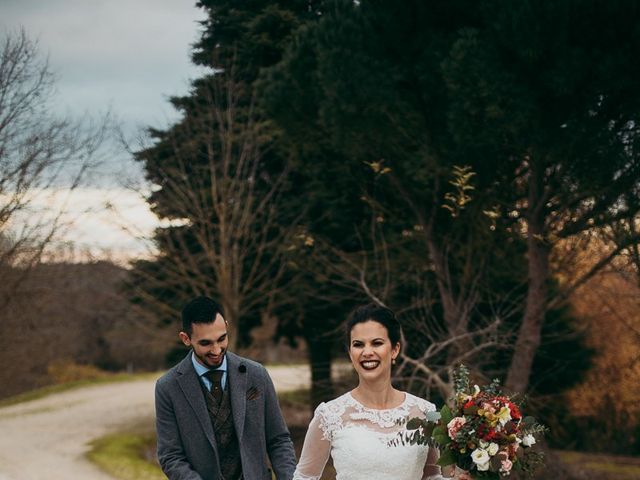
214, 376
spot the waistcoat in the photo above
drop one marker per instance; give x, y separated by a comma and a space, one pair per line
225, 434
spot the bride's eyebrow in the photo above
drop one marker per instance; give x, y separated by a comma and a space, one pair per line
371, 340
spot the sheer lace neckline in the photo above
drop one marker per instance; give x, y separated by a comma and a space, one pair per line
362, 406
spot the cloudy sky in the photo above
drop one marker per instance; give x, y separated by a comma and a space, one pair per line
123, 56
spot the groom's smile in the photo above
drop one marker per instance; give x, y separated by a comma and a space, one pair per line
214, 360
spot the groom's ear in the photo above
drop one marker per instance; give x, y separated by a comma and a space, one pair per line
184, 336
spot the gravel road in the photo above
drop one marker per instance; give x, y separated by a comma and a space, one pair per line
46, 439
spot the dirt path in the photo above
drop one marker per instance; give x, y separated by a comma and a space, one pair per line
46, 439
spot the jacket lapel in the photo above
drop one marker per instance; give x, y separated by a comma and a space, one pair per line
237, 377
192, 390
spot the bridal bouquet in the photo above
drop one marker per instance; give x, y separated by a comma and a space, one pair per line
484, 434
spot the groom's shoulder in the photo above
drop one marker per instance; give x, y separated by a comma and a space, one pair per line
171, 375
248, 364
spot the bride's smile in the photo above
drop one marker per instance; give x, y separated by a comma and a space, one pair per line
371, 351
369, 364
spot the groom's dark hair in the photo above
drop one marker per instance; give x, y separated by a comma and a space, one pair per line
200, 310
372, 311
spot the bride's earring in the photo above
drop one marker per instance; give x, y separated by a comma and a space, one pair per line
393, 361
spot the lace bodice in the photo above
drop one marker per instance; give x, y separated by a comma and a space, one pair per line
358, 439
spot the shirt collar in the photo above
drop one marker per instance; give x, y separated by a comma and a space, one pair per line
201, 369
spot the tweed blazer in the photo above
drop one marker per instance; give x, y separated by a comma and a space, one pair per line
187, 447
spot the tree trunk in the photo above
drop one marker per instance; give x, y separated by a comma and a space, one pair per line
528, 339
320, 361
231, 315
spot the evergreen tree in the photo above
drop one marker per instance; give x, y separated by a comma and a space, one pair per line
538, 98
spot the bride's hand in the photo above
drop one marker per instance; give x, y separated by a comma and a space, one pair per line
455, 473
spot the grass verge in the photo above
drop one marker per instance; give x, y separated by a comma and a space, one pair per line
125, 456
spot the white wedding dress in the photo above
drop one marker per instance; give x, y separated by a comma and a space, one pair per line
358, 439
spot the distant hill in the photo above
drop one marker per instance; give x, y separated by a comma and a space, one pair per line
66, 313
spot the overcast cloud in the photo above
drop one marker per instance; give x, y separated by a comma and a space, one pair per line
126, 56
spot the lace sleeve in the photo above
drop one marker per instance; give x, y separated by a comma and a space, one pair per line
431, 470
316, 448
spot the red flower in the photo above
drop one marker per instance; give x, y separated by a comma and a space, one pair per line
515, 411
490, 435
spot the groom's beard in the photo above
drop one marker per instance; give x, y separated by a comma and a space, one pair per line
211, 361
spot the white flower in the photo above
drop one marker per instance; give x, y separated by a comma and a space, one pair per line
480, 457
484, 467
484, 444
476, 389
528, 440
493, 448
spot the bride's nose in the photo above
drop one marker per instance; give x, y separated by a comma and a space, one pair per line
367, 351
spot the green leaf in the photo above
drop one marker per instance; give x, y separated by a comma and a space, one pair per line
439, 430
414, 423
441, 439
446, 458
446, 415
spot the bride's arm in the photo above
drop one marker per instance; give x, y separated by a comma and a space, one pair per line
315, 451
432, 471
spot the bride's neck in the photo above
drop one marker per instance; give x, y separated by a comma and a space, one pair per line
380, 395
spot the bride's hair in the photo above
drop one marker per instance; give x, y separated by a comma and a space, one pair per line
374, 312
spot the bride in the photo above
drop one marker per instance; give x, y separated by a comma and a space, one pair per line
356, 428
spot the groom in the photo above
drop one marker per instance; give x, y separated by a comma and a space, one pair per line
217, 414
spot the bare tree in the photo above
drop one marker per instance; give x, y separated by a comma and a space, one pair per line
41, 157
222, 202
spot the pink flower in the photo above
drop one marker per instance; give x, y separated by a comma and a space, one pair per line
488, 407
505, 466
455, 425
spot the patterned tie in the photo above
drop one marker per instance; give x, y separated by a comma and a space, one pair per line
215, 377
